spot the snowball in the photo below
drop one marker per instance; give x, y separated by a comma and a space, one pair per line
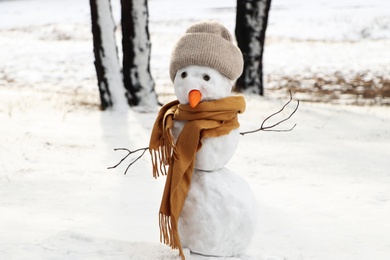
219, 214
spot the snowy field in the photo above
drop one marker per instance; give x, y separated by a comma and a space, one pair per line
323, 190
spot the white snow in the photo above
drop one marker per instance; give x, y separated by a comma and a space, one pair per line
219, 215
323, 190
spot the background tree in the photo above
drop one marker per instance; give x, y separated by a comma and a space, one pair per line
136, 53
111, 89
251, 25
135, 86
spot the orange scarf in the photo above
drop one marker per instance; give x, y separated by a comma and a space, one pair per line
207, 119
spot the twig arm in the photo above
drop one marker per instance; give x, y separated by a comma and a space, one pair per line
128, 154
269, 128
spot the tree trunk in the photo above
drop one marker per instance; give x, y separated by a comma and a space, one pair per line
251, 24
136, 53
111, 89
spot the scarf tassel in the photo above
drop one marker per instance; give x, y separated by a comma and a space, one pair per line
169, 235
163, 156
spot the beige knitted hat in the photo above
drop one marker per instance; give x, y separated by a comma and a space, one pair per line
207, 44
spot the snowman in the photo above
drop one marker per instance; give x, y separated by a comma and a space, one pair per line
206, 209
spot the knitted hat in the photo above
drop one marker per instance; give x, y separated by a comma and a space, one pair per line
207, 44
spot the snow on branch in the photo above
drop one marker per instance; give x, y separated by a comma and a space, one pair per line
270, 127
128, 154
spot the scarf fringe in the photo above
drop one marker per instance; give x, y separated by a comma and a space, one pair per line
163, 156
169, 235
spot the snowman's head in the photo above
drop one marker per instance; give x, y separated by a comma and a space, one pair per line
194, 84
206, 59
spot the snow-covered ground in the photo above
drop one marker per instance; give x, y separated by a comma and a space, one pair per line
323, 190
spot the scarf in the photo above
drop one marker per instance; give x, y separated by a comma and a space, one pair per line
207, 119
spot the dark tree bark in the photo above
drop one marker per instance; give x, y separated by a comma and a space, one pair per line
251, 25
105, 96
136, 53
110, 83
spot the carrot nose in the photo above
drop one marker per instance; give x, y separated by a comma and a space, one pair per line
194, 97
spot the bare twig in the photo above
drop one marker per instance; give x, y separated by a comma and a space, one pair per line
129, 152
269, 128
262, 128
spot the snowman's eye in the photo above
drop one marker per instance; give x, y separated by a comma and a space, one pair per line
206, 77
183, 74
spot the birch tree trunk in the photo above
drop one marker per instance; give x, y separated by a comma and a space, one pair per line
136, 53
111, 89
251, 25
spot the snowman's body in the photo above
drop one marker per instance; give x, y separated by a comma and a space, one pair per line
219, 214
215, 152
